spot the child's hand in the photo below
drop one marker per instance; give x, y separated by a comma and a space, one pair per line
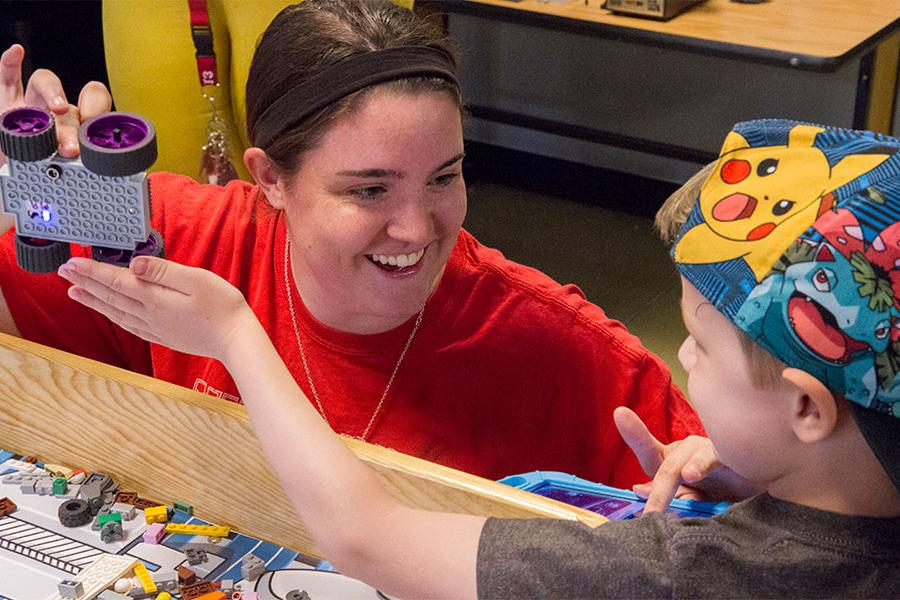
187, 309
688, 468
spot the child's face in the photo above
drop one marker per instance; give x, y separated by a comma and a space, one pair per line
748, 426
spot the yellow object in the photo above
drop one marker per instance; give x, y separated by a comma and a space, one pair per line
156, 514
164, 596
152, 71
208, 530
143, 575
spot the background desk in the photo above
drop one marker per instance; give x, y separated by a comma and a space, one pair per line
571, 80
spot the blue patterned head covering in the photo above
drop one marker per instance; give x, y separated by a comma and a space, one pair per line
795, 237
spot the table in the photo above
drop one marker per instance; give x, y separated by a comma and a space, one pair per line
572, 80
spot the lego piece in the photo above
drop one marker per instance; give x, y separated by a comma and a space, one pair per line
249, 596
227, 586
111, 531
43, 486
124, 585
185, 575
112, 595
166, 581
143, 575
252, 567
58, 470
164, 596
126, 510
154, 533
156, 514
60, 486
297, 595
215, 595
108, 518
194, 556
7, 506
144, 504
27, 486
211, 530
70, 589
78, 476
126, 497
183, 507
74, 513
195, 590
102, 573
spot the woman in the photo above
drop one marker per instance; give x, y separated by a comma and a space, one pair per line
399, 325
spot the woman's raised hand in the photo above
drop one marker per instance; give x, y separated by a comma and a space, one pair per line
187, 309
44, 90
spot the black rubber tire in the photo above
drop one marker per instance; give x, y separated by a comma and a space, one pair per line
74, 513
40, 256
122, 161
115, 256
27, 147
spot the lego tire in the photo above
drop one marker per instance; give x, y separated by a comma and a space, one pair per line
27, 134
74, 513
117, 144
37, 255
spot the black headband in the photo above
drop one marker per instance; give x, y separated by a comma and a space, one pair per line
348, 76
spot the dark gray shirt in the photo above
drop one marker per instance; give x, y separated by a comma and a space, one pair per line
763, 547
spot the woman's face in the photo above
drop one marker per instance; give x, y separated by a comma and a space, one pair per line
375, 209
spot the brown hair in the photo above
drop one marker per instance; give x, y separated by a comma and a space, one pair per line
307, 38
765, 369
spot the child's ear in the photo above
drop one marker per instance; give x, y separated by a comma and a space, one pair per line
266, 176
814, 409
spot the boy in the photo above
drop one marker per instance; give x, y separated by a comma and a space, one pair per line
788, 271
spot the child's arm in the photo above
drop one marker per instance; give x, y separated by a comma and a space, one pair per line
688, 468
362, 530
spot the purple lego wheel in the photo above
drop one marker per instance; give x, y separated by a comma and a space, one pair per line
27, 134
117, 144
116, 256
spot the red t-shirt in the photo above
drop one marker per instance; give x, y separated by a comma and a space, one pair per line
509, 372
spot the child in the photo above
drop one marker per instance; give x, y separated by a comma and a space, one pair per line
788, 271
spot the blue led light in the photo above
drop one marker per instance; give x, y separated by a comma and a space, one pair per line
45, 215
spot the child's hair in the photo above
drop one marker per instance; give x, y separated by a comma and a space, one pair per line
794, 236
765, 369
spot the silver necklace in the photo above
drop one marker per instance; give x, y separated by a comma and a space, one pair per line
309, 379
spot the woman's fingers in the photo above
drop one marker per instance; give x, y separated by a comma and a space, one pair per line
11, 88
648, 449
46, 90
126, 320
114, 286
93, 100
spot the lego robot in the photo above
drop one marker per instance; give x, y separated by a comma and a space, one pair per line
101, 199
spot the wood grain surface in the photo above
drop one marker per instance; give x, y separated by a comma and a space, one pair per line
167, 442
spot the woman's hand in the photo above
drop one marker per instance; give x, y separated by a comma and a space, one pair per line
187, 309
44, 90
687, 469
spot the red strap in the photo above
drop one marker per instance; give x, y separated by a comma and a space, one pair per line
203, 43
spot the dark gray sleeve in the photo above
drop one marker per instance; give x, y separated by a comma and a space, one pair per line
544, 558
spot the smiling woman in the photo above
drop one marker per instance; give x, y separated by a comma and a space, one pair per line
399, 326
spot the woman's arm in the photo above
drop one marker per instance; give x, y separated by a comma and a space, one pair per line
366, 533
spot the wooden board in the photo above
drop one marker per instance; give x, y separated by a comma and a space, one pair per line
167, 442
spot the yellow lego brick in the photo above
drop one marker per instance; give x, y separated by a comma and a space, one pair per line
156, 514
143, 575
208, 530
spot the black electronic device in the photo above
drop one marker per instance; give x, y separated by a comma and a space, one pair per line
662, 10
